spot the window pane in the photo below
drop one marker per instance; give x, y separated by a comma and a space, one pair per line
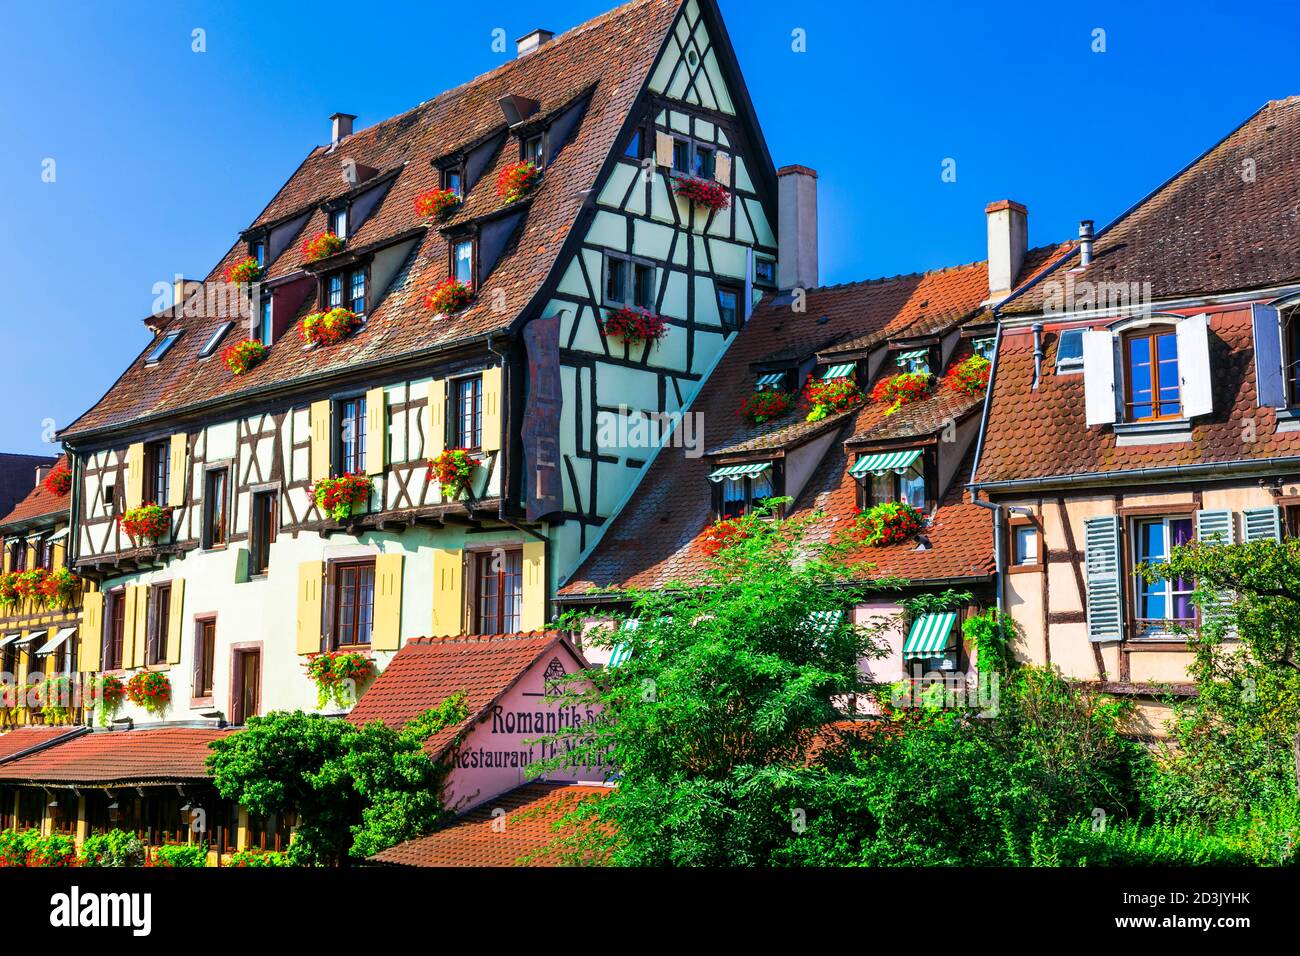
681, 156
465, 262
1026, 545
733, 498
358, 291
264, 333
727, 308
615, 276
761, 488
882, 488
645, 286
451, 180
634, 145
912, 486
704, 162
340, 222
334, 297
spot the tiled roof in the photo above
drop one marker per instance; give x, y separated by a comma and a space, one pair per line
39, 502
24, 738
428, 670
478, 839
157, 755
1038, 433
1212, 227
609, 57
17, 475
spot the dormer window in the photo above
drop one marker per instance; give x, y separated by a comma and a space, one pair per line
257, 249
462, 261
452, 179
843, 370
914, 361
1165, 370
891, 476
983, 347
773, 381
345, 289
339, 222
158, 351
741, 488
1151, 379
532, 150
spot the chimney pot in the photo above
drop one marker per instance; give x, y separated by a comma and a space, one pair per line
1085, 241
796, 228
341, 126
531, 41
1008, 237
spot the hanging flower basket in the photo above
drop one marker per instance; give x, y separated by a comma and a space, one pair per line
448, 297
452, 469
762, 407
339, 676
828, 397
902, 389
517, 180
150, 690
338, 496
970, 377
322, 246
634, 325
242, 356
328, 328
146, 523
104, 692
59, 480
246, 270
888, 523
703, 192
436, 203
722, 534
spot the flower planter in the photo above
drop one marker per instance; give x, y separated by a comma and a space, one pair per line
970, 377
246, 270
902, 389
104, 692
146, 524
322, 246
828, 397
339, 676
242, 356
150, 690
703, 192
448, 296
59, 480
889, 523
763, 407
339, 497
633, 325
329, 328
517, 180
453, 469
436, 203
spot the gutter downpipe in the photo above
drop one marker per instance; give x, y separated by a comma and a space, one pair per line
979, 451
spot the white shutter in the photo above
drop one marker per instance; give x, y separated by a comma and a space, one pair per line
1214, 527
1099, 376
1105, 590
1270, 380
1262, 524
1194, 386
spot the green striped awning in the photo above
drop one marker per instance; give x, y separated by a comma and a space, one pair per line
905, 357
825, 622
930, 636
622, 651
878, 464
838, 371
736, 472
770, 380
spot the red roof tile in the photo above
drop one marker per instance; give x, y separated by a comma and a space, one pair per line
20, 739
428, 670
156, 755
40, 501
473, 840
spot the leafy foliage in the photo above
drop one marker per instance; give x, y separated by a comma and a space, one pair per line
113, 848
186, 855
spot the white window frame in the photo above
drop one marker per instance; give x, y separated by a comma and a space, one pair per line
1166, 587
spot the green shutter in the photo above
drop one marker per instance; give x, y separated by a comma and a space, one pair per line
1105, 591
1215, 527
1262, 524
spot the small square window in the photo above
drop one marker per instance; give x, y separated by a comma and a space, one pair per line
339, 222
629, 282
1069, 351
983, 348
704, 162
463, 262
1024, 545
764, 271
729, 307
681, 156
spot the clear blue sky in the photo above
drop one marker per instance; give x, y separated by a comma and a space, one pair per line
163, 154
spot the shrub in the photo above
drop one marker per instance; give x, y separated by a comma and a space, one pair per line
448, 297
328, 328
114, 848
322, 245
1126, 843
722, 534
242, 356
258, 858
189, 855
517, 180
15, 845
55, 850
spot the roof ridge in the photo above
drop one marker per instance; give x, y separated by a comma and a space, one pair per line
483, 638
881, 280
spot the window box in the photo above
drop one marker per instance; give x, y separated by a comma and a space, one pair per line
322, 246
453, 469
242, 356
329, 328
59, 481
147, 523
448, 297
339, 676
762, 407
633, 325
902, 389
827, 396
517, 180
703, 192
337, 497
969, 377
892, 522
246, 270
436, 203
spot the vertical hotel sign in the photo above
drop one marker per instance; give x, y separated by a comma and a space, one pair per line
544, 494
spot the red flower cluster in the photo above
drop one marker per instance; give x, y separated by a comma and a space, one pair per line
59, 480
242, 356
246, 270
722, 534
322, 245
107, 689
901, 389
436, 203
827, 397
150, 689
327, 328
970, 376
762, 407
452, 469
634, 325
337, 496
332, 671
50, 589
448, 296
146, 523
888, 523
517, 180
705, 192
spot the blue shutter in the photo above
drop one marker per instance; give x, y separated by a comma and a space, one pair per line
1105, 590
1270, 384
1262, 524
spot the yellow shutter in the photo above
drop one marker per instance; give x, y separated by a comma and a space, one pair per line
492, 409
532, 612
435, 430
376, 432
134, 476
179, 482
664, 149
310, 575
386, 634
92, 621
722, 169
320, 440
175, 621
447, 590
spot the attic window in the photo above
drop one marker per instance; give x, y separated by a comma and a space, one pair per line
452, 179
773, 380
844, 370
532, 150
741, 488
339, 222
915, 360
211, 344
1069, 351
764, 271
155, 355
983, 348
257, 249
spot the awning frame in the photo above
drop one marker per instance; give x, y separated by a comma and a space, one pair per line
737, 472
878, 463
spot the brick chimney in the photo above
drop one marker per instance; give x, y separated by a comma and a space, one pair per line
1008, 242
340, 126
529, 42
797, 228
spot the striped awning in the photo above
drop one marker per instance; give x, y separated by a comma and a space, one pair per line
58, 535
884, 461
904, 357
57, 641
838, 371
825, 622
770, 380
622, 651
929, 636
31, 636
9, 639
736, 472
